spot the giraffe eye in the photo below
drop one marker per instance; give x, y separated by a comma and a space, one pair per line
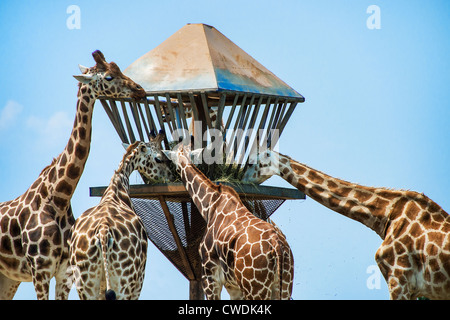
108, 78
158, 160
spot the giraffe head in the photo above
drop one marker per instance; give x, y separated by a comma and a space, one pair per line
261, 166
182, 155
149, 159
106, 79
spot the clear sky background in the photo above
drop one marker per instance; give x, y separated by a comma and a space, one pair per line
377, 110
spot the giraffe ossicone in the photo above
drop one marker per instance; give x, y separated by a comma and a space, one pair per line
34, 227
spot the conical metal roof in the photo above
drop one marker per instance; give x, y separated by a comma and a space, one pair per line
200, 58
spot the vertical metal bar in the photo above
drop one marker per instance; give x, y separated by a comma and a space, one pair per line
243, 126
249, 128
173, 230
182, 111
217, 126
233, 139
127, 122
223, 98
116, 115
206, 110
160, 118
270, 125
151, 121
111, 117
195, 116
287, 116
172, 115
141, 113
137, 120
193, 106
255, 145
276, 124
233, 108
283, 122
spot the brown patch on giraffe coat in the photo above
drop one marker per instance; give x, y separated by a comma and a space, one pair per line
14, 228
431, 249
362, 196
63, 160
36, 203
300, 170
52, 175
64, 187
412, 210
73, 171
344, 191
378, 207
332, 186
82, 133
399, 248
61, 203
70, 146
436, 237
80, 152
83, 107
315, 177
388, 256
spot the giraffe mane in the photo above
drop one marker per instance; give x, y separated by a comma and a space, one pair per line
129, 150
47, 167
204, 177
225, 188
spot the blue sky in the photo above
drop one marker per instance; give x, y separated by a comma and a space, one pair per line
377, 109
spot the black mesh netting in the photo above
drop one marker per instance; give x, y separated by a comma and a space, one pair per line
189, 226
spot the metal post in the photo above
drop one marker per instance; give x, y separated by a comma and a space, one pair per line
196, 290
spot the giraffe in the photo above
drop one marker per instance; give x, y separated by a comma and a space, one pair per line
247, 255
35, 226
414, 256
108, 245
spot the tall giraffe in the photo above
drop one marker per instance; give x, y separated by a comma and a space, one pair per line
247, 255
108, 246
414, 256
35, 226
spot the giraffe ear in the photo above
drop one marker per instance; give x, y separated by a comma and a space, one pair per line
83, 69
196, 156
83, 78
171, 155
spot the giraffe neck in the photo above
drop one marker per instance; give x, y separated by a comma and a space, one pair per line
120, 182
370, 206
63, 175
203, 192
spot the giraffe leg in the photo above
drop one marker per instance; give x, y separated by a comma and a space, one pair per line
211, 280
8, 287
42, 285
234, 292
65, 278
90, 285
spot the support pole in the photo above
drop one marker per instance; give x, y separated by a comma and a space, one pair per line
196, 290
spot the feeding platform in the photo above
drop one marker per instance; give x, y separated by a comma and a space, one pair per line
199, 83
